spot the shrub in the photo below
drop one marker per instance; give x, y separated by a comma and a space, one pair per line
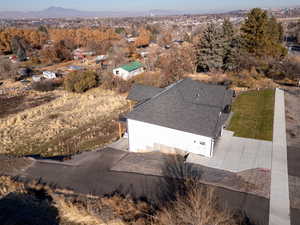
111, 82
198, 206
7, 69
45, 85
80, 81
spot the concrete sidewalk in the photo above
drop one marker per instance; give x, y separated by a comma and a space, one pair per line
279, 197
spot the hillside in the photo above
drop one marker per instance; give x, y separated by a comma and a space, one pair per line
65, 124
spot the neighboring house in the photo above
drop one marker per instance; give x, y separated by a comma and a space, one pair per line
81, 53
49, 75
188, 115
36, 78
129, 70
131, 39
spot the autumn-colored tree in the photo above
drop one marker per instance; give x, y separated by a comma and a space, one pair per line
7, 69
55, 54
154, 31
175, 65
118, 53
143, 38
37, 38
5, 42
165, 38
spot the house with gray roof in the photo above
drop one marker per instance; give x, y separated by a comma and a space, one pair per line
129, 70
187, 115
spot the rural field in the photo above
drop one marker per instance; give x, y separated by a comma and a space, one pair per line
59, 123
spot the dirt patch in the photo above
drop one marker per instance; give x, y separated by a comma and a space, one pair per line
15, 104
67, 124
292, 101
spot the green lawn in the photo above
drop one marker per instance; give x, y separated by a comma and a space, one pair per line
253, 115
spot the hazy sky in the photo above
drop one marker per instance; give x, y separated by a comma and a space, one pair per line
140, 5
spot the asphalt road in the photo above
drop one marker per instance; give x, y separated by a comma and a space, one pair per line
91, 174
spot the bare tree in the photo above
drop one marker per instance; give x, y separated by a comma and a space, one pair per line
8, 69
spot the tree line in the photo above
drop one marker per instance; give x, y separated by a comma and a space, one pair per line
259, 39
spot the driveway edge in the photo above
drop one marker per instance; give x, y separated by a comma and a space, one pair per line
279, 194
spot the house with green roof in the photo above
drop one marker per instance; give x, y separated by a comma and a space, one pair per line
129, 70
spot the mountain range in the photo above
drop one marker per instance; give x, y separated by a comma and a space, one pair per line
59, 12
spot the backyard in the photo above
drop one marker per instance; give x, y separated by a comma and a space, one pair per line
253, 115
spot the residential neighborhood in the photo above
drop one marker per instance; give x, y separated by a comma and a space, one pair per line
121, 114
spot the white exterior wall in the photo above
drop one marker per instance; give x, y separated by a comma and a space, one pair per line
145, 135
124, 74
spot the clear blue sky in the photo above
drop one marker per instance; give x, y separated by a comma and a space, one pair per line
140, 5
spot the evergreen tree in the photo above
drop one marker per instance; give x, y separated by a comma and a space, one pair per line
231, 45
42, 29
262, 36
210, 50
255, 32
19, 48
275, 34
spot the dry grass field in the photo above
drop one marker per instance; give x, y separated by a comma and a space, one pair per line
65, 123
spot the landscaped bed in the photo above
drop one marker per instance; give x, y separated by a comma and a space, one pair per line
253, 115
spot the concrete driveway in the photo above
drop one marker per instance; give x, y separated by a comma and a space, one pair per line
237, 154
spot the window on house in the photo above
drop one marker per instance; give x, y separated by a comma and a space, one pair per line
202, 143
117, 72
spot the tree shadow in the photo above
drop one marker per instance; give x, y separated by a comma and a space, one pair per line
177, 176
34, 208
60, 158
16, 104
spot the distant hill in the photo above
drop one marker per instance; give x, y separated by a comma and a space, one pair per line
59, 12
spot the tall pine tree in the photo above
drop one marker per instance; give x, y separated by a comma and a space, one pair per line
210, 50
231, 45
261, 35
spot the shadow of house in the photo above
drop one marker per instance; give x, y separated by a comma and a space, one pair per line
32, 208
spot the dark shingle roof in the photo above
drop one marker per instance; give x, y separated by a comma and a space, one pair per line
187, 105
141, 92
